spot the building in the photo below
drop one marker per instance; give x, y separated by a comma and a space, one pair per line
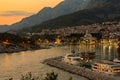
107, 67
88, 38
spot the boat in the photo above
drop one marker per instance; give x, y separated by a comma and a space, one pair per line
107, 67
116, 60
87, 56
72, 59
77, 58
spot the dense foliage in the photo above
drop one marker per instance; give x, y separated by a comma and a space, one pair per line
49, 76
11, 38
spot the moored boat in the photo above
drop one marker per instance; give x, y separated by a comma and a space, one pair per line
72, 59
107, 67
116, 60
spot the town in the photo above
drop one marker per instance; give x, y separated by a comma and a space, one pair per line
106, 31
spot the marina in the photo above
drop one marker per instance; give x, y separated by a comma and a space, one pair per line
16, 64
82, 71
60, 40
13, 65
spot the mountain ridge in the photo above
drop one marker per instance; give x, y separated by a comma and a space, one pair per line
48, 13
107, 12
67, 7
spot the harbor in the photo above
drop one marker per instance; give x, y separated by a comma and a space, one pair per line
81, 71
32, 61
16, 64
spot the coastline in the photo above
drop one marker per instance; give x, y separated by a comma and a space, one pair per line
16, 48
81, 71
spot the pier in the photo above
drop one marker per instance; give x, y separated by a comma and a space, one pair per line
82, 71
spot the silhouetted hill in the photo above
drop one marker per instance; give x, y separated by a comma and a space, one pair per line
107, 10
47, 13
4, 28
89, 11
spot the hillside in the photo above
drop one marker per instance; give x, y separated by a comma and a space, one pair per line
106, 12
4, 28
48, 13
89, 11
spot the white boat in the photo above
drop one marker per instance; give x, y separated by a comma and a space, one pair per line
116, 60
72, 59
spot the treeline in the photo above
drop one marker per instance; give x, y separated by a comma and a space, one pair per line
49, 76
79, 35
15, 39
72, 37
50, 37
11, 38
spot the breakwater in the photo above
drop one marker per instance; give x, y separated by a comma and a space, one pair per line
82, 71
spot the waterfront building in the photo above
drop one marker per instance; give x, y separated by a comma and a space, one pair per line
109, 41
57, 41
107, 67
88, 38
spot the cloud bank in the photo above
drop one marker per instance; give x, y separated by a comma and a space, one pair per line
16, 13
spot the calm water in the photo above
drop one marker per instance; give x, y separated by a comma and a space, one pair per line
13, 65
103, 52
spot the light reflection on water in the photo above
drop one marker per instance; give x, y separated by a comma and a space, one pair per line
103, 52
13, 65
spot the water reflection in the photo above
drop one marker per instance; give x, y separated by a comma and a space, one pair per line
22, 57
103, 52
7, 60
13, 65
118, 53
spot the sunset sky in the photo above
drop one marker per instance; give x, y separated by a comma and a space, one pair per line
12, 11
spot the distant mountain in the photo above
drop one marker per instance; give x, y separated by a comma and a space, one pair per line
85, 17
99, 11
4, 28
104, 4
47, 13
90, 11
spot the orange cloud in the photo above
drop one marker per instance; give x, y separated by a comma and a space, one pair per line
9, 20
23, 8
16, 13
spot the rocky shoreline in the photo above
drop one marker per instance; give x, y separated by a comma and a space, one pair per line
12, 48
88, 73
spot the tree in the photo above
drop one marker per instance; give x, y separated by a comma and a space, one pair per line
29, 76
51, 76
